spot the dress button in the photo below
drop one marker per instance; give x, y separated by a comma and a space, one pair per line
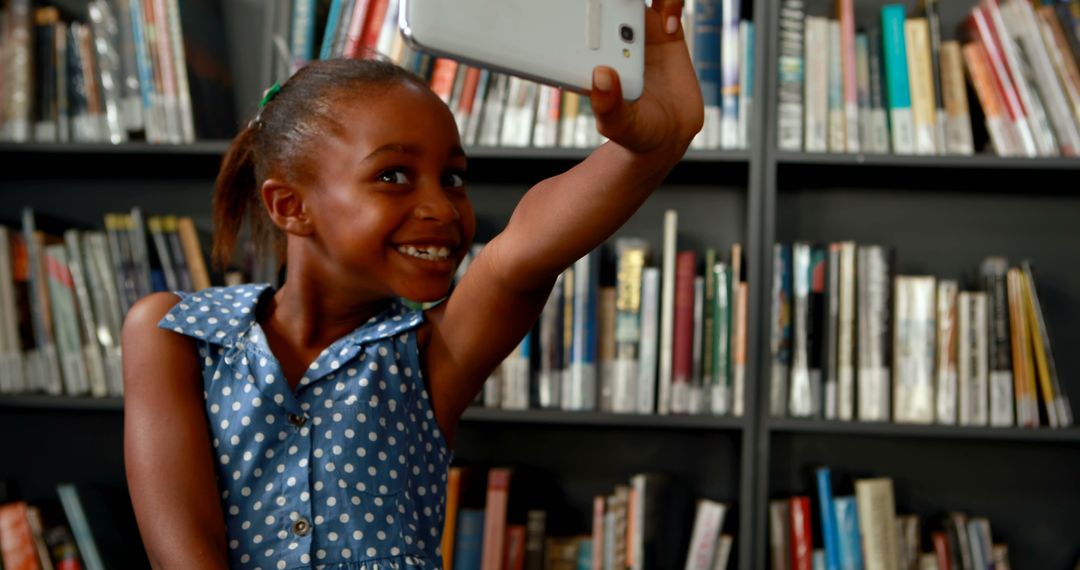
297, 420
301, 527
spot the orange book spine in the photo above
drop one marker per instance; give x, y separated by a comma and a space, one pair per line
356, 29
16, 540
442, 78
373, 24
453, 500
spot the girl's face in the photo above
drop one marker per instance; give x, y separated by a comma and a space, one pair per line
389, 205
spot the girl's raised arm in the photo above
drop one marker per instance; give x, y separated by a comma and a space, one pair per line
563, 218
167, 453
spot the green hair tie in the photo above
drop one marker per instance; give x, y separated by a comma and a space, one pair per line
270, 93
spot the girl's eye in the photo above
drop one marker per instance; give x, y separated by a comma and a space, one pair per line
454, 180
394, 176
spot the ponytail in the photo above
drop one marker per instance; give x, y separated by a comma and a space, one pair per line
235, 196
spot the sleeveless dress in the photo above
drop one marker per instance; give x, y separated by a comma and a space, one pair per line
347, 472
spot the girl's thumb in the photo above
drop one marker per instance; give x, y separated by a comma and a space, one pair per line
612, 112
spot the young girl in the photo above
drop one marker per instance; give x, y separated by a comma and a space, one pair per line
321, 430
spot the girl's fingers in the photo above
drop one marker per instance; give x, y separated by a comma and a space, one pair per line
671, 13
612, 113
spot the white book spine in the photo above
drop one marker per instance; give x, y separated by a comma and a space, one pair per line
913, 350
980, 389
817, 85
708, 521
800, 401
667, 311
647, 353
845, 360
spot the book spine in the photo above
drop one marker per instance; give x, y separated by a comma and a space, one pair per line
830, 344
933, 19
469, 544
999, 350
897, 87
1057, 403
326, 49
958, 139
498, 494
913, 349
921, 82
647, 351
746, 81
683, 332
830, 532
873, 338
95, 367
706, 40
862, 74
581, 386
1003, 135
708, 520
846, 9
781, 330
837, 116
999, 72
817, 85
738, 383
606, 348
845, 365
877, 523
18, 111
729, 88
800, 398
879, 118
183, 86
945, 392
1064, 60
780, 534
802, 540
551, 357
848, 539
720, 398
791, 64
1027, 411
667, 312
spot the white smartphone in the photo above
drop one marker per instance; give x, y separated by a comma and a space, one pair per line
558, 42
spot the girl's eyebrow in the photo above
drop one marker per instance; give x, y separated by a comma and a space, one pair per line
410, 149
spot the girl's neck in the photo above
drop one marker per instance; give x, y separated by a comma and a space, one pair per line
309, 315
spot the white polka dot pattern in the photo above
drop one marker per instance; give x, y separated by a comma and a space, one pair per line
346, 472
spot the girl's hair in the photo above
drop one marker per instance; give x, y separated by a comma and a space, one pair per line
278, 142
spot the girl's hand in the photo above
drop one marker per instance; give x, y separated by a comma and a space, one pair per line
670, 111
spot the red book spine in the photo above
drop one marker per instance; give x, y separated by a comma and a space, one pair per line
802, 541
373, 24
941, 551
16, 540
442, 78
515, 547
984, 30
468, 91
356, 29
498, 496
683, 333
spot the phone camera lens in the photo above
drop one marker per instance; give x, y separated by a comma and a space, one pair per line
626, 33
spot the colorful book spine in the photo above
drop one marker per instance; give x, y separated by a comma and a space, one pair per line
683, 332
837, 131
706, 39
921, 81
746, 81
897, 87
790, 110
879, 116
816, 98
846, 9
781, 330
957, 117
849, 540
469, 542
830, 531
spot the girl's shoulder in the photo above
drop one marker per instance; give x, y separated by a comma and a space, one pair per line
215, 314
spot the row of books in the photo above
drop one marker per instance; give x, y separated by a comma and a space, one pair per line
121, 69
900, 88
625, 336
64, 293
494, 109
508, 519
82, 532
851, 340
862, 530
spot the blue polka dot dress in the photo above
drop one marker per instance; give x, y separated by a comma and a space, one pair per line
347, 472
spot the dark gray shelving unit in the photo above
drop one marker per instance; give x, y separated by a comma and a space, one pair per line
943, 215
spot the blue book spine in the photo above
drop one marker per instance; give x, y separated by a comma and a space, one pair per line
469, 543
584, 555
747, 87
707, 62
829, 529
142, 56
850, 542
303, 32
332, 20
897, 89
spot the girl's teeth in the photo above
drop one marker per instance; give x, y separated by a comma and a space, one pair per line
431, 253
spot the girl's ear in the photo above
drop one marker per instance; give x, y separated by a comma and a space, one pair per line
285, 205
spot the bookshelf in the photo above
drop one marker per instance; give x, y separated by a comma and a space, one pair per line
942, 213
